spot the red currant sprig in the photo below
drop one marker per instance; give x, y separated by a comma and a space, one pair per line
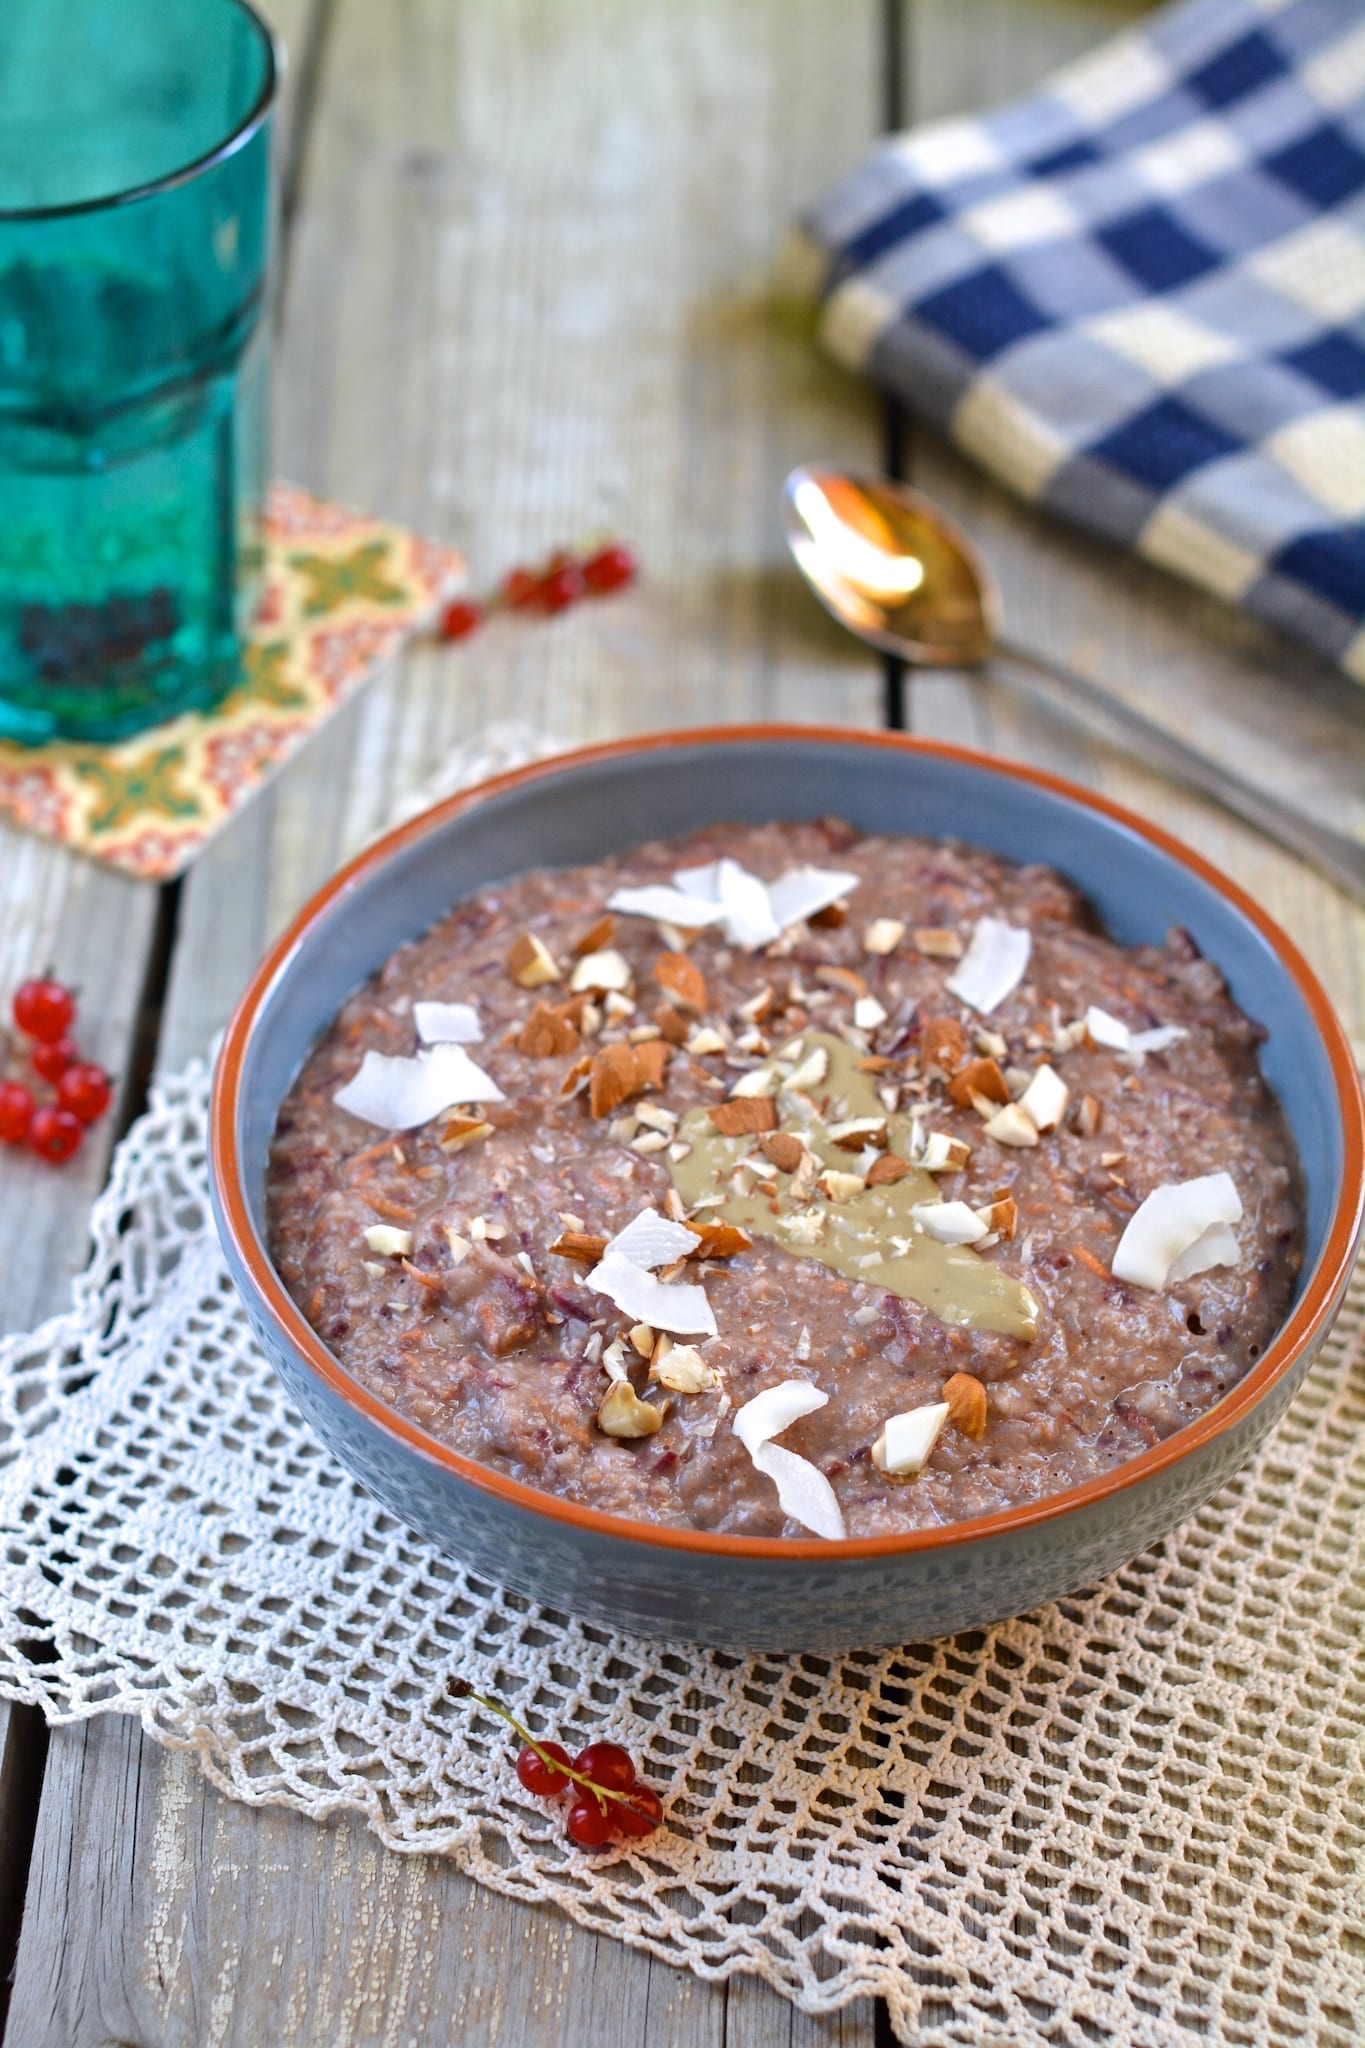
44, 1011
607, 1798
557, 584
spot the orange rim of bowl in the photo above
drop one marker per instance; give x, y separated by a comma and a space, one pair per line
1307, 1322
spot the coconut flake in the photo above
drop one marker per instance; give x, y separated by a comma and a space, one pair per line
992, 966
1104, 1029
1173, 1220
399, 1094
803, 1492
1216, 1246
447, 1023
804, 892
949, 1222
667, 906
1157, 1040
906, 1440
775, 1410
651, 1240
683, 1309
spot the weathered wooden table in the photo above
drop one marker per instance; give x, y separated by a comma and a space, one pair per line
528, 246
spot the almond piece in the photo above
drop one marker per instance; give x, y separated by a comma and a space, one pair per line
719, 1241
966, 1398
545, 1033
671, 1023
888, 1169
530, 963
745, 1113
1088, 1116
651, 1060
596, 937
681, 980
575, 1074
840, 1187
883, 935
581, 1245
938, 942
622, 1413
1001, 1213
842, 978
606, 972
612, 1077
978, 1077
462, 1131
784, 1149
1010, 1126
943, 1043
829, 919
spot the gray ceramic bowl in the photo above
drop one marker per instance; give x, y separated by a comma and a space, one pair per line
742, 1591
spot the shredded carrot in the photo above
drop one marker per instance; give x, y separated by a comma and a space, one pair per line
395, 1211
429, 1280
370, 1152
1088, 1259
315, 1305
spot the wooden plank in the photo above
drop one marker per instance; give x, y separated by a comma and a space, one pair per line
527, 300
1222, 681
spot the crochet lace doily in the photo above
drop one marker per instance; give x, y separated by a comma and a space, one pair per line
1134, 1817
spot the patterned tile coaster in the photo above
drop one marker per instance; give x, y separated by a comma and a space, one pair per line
342, 592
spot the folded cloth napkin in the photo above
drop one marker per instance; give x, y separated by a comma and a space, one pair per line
1137, 297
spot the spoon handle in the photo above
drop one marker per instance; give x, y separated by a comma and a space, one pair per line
1334, 854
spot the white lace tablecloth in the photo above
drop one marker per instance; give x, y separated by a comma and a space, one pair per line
1133, 1818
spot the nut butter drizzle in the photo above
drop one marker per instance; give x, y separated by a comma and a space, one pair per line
867, 1234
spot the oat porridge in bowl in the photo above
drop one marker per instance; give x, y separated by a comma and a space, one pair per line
787, 1186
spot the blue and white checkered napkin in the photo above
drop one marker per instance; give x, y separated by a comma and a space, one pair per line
1138, 298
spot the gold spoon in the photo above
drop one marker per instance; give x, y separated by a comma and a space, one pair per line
898, 572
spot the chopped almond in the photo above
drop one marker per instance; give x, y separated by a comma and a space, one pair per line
978, 1077
546, 1033
597, 936
883, 935
462, 1131
604, 972
530, 963
642, 1339
576, 1073
784, 1149
938, 942
682, 980
1088, 1116
842, 978
650, 1061
966, 1398
583, 1245
743, 1114
719, 1241
840, 1187
943, 1043
1010, 1126
857, 1131
613, 1077
888, 1169
874, 1063
622, 1413
758, 1007
672, 1025
1001, 1215
830, 918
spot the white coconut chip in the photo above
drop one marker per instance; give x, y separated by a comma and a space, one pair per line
1104, 1029
683, 1310
651, 1240
906, 1440
992, 966
447, 1023
774, 1410
803, 1492
667, 906
1171, 1223
804, 892
1216, 1246
1156, 1040
399, 1094
949, 1222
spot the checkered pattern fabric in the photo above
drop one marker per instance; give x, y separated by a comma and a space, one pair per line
1138, 298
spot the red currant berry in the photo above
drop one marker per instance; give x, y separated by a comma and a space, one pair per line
51, 1058
609, 569
606, 1763
561, 587
540, 1777
641, 1813
16, 1112
85, 1091
44, 1009
590, 1823
521, 588
458, 620
54, 1134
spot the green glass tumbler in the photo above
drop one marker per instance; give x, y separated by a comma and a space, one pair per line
135, 234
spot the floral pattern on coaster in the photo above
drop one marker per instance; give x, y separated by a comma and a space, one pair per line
342, 592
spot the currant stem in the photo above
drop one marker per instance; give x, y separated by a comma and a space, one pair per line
602, 1793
